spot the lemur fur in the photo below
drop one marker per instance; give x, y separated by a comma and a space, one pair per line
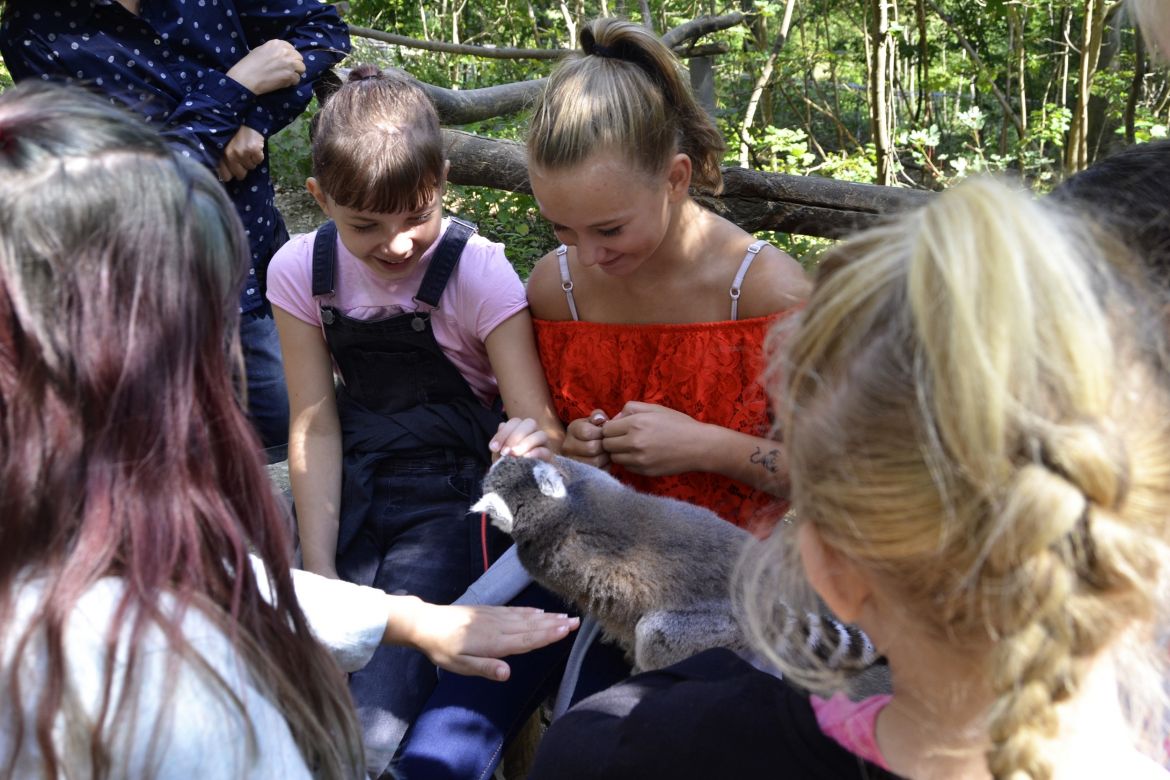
653, 571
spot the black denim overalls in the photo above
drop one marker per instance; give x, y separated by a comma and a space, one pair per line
414, 439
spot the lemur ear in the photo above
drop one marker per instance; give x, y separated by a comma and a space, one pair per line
550, 480
833, 575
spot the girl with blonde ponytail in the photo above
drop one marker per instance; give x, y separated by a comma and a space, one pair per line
979, 444
651, 316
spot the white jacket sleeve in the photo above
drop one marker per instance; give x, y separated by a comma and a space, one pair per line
348, 619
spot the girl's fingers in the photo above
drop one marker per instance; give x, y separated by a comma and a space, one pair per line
505, 433
528, 446
471, 666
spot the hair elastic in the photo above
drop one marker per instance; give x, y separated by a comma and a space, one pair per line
7, 140
603, 51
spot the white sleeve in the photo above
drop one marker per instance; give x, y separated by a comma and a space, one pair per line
348, 619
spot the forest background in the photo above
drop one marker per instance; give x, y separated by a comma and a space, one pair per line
908, 93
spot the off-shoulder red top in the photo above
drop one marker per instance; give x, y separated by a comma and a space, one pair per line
709, 370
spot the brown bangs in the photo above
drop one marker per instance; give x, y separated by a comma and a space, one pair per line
382, 171
377, 144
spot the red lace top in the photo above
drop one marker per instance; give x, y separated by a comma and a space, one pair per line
709, 370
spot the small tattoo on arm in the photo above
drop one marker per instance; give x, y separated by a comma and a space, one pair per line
768, 460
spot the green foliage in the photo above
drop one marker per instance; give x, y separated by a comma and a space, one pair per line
814, 115
289, 152
512, 219
1146, 130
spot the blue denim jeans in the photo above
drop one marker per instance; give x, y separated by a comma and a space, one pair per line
467, 722
267, 394
422, 542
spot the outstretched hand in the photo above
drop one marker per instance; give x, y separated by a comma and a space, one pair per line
471, 640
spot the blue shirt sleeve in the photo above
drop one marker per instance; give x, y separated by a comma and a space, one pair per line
199, 125
209, 117
315, 30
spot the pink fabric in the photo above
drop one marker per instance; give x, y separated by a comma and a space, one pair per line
483, 292
852, 724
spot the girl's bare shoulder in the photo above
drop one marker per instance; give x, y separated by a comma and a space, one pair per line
775, 282
546, 294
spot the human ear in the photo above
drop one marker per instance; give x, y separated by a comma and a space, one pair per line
318, 194
839, 582
678, 177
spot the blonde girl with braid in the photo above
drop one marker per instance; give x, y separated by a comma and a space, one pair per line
978, 437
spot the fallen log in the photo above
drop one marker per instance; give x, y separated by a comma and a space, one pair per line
806, 205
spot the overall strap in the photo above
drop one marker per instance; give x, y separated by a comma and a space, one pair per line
443, 261
566, 280
737, 284
324, 259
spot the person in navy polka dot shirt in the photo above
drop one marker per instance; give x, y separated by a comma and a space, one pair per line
217, 78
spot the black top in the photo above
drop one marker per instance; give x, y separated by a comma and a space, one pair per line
711, 716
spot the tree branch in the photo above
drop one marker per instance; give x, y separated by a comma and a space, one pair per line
683, 34
464, 106
762, 82
697, 28
490, 52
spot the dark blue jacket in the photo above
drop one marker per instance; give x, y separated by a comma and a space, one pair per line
169, 66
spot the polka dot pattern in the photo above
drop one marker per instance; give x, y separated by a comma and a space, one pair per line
169, 65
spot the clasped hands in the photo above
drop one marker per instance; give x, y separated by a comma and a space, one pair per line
647, 439
273, 65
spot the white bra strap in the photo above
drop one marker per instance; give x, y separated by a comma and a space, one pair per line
566, 280
737, 285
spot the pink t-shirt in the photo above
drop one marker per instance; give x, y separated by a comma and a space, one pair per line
483, 291
852, 724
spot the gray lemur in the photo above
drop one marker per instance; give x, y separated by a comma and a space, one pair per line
653, 571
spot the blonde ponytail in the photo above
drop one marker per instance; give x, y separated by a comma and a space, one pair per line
624, 93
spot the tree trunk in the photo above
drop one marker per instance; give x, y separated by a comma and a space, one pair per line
1135, 86
488, 52
1077, 150
879, 89
1066, 54
422, 15
762, 82
924, 110
702, 72
570, 23
1018, 20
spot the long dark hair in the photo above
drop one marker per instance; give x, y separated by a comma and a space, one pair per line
123, 448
